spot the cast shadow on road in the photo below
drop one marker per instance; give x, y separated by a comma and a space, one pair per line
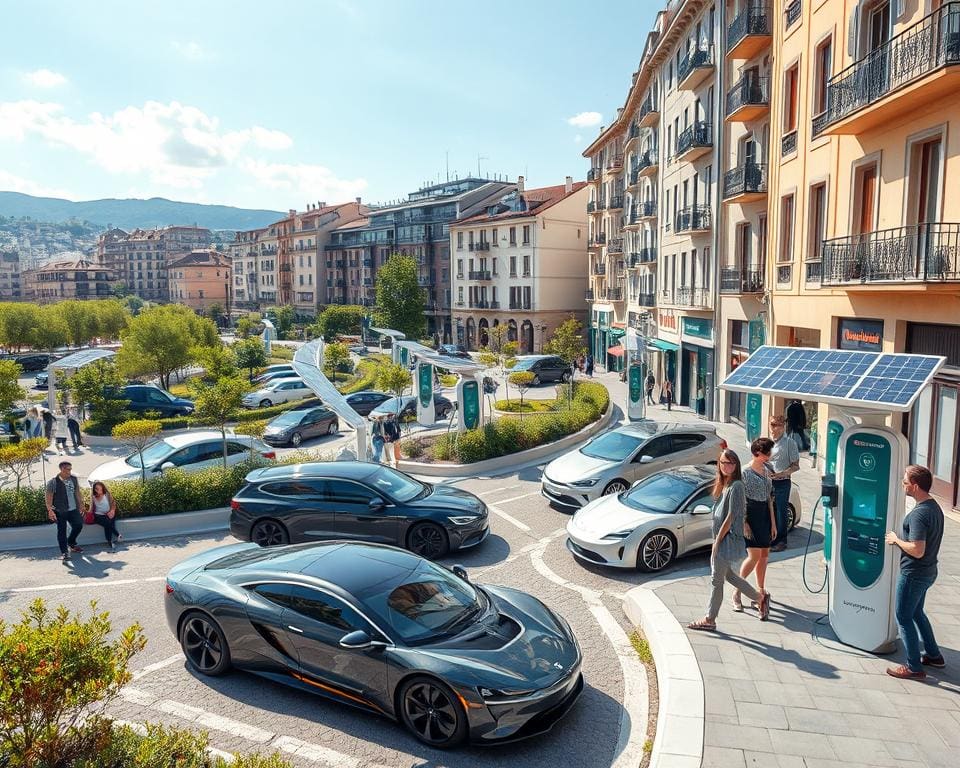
492, 551
586, 737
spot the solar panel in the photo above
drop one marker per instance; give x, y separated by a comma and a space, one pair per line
852, 378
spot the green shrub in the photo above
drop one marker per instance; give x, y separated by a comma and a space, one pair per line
365, 377
280, 354
412, 447
529, 406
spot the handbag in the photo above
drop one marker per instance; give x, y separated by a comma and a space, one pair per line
88, 517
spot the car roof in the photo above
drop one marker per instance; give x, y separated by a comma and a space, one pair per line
194, 436
647, 428
696, 473
351, 470
367, 392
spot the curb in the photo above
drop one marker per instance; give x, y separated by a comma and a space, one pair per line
681, 717
133, 529
511, 460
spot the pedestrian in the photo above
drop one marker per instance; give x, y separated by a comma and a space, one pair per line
651, 384
579, 363
32, 423
919, 543
377, 439
46, 417
784, 461
761, 527
668, 394
103, 512
588, 366
391, 436
729, 510
64, 503
61, 431
73, 422
797, 424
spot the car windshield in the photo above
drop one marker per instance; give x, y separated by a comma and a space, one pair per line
287, 418
523, 365
274, 383
392, 405
397, 485
612, 446
431, 602
663, 493
152, 454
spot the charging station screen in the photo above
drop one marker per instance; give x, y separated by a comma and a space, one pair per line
866, 483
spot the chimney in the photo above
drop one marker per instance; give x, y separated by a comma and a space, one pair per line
519, 183
568, 186
322, 205
358, 201
293, 212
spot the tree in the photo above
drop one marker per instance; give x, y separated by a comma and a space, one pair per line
10, 389
51, 330
254, 430
80, 319
158, 342
134, 304
335, 357
218, 361
218, 403
250, 354
16, 458
394, 378
137, 434
245, 327
282, 319
112, 318
17, 324
522, 380
567, 344
339, 320
91, 385
215, 313
400, 302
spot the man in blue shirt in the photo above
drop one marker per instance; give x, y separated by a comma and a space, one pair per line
919, 544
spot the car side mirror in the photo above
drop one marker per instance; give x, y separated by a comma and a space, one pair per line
167, 465
376, 505
702, 509
646, 459
356, 641
460, 572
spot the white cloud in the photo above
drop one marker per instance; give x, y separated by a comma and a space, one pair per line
44, 78
191, 50
577, 139
12, 183
585, 119
304, 179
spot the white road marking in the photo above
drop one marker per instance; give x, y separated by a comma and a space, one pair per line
517, 498
158, 665
495, 490
314, 752
509, 518
84, 584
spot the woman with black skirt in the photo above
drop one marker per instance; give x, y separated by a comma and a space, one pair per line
761, 526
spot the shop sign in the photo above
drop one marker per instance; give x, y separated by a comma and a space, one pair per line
668, 321
698, 327
860, 335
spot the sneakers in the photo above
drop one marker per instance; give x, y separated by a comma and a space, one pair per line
933, 661
65, 557
112, 546
76, 548
904, 672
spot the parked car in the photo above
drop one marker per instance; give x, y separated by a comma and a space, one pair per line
407, 406
41, 380
277, 391
265, 378
293, 427
365, 401
358, 349
383, 630
662, 517
356, 500
189, 451
147, 397
614, 460
276, 367
544, 368
30, 361
454, 350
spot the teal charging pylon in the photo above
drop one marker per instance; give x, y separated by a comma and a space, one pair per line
836, 423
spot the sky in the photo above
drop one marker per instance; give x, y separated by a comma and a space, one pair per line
272, 105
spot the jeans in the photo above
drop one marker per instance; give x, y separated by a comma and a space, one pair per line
76, 525
377, 443
74, 427
781, 501
724, 570
911, 595
650, 397
109, 524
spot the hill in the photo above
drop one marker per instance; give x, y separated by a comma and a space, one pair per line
131, 213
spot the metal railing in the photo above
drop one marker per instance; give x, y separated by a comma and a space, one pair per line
699, 57
483, 245
750, 177
591, 206
693, 217
599, 269
615, 162
615, 245
614, 294
814, 271
648, 107
594, 174
752, 20
646, 208
737, 280
915, 253
793, 12
699, 134
598, 239
788, 143
481, 274
647, 299
930, 44
633, 132
784, 274
648, 254
616, 202
696, 297
647, 159
749, 91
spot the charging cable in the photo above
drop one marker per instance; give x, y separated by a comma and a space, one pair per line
806, 551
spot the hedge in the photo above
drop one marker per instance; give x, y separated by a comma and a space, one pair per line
281, 353
508, 435
529, 406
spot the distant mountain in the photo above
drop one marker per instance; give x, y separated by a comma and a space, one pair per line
128, 214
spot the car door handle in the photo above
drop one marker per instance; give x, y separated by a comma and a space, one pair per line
295, 629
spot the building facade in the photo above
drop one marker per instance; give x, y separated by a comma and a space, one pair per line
11, 287
201, 279
521, 263
71, 279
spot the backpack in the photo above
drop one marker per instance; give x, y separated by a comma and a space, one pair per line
391, 430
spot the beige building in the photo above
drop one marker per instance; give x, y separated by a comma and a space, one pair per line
68, 279
865, 239
201, 279
244, 253
521, 264
11, 287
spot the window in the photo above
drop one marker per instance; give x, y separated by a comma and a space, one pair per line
786, 229
526, 265
460, 268
790, 85
526, 234
527, 297
513, 266
658, 446
495, 240
823, 65
343, 492
818, 221
459, 241
686, 442
513, 235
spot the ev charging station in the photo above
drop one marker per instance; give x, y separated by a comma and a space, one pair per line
865, 461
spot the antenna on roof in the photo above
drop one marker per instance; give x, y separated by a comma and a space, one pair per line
448, 165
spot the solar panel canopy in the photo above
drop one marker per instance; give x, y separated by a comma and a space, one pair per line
871, 380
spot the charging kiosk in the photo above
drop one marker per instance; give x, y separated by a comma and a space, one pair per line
837, 422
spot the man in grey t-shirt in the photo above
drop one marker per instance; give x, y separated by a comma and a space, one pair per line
784, 461
64, 504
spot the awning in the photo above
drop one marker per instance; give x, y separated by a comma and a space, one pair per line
617, 333
663, 346
615, 351
615, 324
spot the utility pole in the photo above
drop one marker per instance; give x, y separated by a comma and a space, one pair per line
479, 158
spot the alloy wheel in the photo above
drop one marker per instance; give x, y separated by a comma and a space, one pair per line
268, 533
428, 540
430, 712
657, 551
536, 380
202, 644
296, 439
333, 428
265, 403
617, 486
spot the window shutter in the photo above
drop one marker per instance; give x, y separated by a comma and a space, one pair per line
853, 31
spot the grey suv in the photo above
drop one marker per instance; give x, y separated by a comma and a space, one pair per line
543, 367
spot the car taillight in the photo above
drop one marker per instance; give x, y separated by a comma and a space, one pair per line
723, 444
234, 504
169, 588
269, 454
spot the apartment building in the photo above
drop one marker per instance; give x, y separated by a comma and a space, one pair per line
68, 279
201, 279
865, 250
11, 287
520, 263
244, 254
418, 227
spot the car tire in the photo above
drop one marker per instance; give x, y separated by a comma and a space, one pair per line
265, 403
428, 540
296, 439
444, 414
204, 644
792, 517
536, 380
616, 486
333, 428
657, 550
269, 533
432, 713
565, 377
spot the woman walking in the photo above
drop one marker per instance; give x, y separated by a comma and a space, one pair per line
104, 511
668, 393
729, 511
761, 519
61, 431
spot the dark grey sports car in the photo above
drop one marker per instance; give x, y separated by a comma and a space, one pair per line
381, 629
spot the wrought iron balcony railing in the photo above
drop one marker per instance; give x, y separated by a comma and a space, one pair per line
615, 245
483, 274
615, 163
648, 254
736, 280
698, 298
616, 202
633, 132
646, 209
614, 294
594, 174
598, 239
483, 246
647, 299
588, 296
926, 253
695, 59
592, 206
930, 44
752, 20
814, 270
749, 91
698, 135
792, 12
747, 179
693, 218
648, 108
788, 142
599, 269
647, 159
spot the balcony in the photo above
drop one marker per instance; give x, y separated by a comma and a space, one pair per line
588, 296
618, 270
594, 174
480, 304
483, 245
615, 163
646, 209
693, 218
745, 184
483, 274
614, 294
647, 299
633, 133
597, 240
919, 254
615, 245
750, 32
599, 269
649, 114
459, 303
813, 272
694, 142
616, 203
788, 143
749, 99
695, 298
593, 207
736, 281
648, 255
913, 70
494, 305
792, 12
695, 68
647, 163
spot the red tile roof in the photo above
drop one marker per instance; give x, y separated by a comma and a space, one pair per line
201, 258
538, 200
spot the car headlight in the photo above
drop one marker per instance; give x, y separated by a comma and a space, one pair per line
463, 519
502, 696
586, 483
618, 535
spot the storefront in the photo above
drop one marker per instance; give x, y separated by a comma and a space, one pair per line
696, 353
